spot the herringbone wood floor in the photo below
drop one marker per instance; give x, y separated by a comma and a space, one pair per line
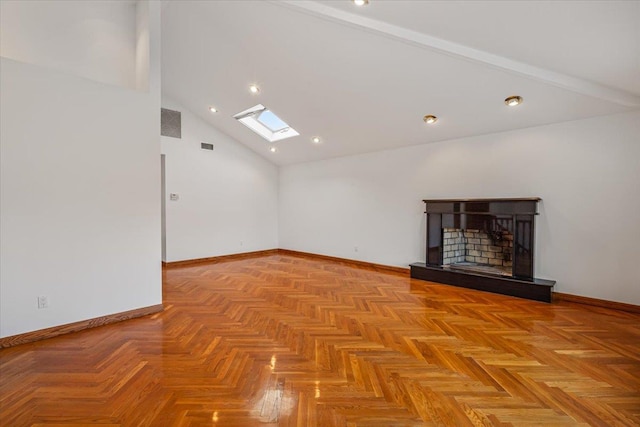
289, 341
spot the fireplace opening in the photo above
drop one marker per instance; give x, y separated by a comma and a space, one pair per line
483, 236
479, 251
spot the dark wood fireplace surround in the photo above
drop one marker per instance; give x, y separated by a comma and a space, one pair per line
515, 215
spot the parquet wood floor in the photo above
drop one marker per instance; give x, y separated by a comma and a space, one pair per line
289, 341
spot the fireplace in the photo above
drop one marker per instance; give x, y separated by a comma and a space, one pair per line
478, 250
485, 244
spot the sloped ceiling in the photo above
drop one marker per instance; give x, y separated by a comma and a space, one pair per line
363, 78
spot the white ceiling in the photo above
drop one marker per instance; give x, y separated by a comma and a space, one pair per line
363, 78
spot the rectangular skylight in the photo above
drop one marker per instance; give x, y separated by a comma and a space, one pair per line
265, 123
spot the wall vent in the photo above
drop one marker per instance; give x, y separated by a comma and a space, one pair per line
170, 123
206, 146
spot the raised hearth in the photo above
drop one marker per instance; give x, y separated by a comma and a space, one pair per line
484, 244
536, 289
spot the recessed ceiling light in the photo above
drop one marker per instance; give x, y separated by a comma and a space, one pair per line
316, 140
512, 101
254, 89
273, 149
213, 109
361, 2
430, 119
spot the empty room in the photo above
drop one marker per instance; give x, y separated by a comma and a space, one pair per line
322, 213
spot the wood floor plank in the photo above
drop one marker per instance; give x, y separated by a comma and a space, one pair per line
282, 340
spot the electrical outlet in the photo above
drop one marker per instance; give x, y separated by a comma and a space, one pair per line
355, 249
43, 302
174, 197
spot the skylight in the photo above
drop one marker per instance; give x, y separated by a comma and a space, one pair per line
265, 123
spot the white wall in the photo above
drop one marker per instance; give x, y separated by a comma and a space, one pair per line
587, 173
228, 197
93, 39
79, 194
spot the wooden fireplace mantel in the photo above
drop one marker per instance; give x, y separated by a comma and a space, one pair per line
512, 206
514, 199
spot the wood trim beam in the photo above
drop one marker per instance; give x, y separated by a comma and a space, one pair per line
221, 258
355, 263
78, 326
595, 302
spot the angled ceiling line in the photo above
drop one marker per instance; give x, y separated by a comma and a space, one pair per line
575, 84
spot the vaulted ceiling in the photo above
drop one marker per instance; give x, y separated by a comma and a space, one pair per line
362, 78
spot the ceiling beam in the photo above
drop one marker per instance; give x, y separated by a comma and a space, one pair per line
578, 85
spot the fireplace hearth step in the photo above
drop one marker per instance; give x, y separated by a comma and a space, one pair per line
536, 289
478, 268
